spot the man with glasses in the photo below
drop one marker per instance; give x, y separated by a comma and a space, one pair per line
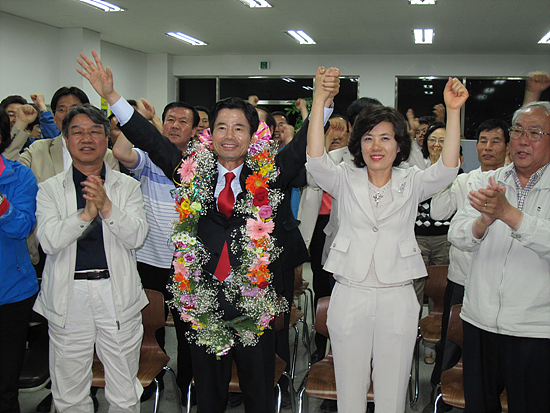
506, 309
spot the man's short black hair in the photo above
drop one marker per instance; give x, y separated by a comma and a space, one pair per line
433, 127
185, 105
202, 109
280, 113
132, 103
491, 124
426, 120
66, 91
269, 119
5, 135
367, 121
95, 115
8, 100
358, 105
239, 104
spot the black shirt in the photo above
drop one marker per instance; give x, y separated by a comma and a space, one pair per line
90, 251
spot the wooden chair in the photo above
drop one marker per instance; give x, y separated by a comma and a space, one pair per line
452, 384
320, 381
430, 326
152, 359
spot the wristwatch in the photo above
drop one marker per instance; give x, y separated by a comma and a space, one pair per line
1, 198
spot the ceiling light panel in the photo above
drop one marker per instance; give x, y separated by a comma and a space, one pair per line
422, 2
255, 3
300, 36
102, 5
187, 39
545, 38
423, 36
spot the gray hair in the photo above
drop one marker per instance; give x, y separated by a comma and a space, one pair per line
544, 105
95, 115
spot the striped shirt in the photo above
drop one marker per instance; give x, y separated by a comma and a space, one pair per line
157, 250
523, 192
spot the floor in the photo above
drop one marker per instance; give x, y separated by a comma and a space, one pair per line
169, 402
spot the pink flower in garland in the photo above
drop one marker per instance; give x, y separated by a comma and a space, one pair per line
180, 268
264, 260
265, 211
187, 170
258, 229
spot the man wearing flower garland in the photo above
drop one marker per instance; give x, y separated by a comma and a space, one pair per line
235, 238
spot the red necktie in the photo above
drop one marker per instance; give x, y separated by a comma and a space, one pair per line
226, 202
226, 199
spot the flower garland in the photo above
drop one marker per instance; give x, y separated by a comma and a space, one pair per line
249, 286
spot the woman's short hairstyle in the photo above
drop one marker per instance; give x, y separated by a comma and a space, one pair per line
5, 136
433, 127
367, 120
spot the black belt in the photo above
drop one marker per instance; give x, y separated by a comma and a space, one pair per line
92, 275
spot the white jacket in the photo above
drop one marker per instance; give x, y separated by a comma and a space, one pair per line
443, 206
508, 288
389, 240
58, 229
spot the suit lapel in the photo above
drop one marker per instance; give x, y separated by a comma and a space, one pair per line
400, 191
56, 152
359, 182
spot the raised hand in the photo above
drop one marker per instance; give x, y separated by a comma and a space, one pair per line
38, 100
146, 109
439, 112
538, 82
253, 100
101, 79
455, 94
26, 114
413, 122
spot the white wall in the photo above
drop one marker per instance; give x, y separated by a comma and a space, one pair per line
40, 58
35, 57
377, 72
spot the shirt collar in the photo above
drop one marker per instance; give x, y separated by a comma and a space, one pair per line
222, 170
533, 179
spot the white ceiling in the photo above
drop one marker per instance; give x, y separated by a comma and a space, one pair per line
338, 26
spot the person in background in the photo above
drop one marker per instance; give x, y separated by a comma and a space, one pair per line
18, 283
492, 146
506, 311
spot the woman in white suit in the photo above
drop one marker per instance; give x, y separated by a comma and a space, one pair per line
373, 313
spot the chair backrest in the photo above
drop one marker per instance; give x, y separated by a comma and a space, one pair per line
435, 286
153, 317
321, 316
454, 331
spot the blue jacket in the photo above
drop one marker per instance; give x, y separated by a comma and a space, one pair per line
17, 277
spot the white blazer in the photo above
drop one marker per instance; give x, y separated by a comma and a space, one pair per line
389, 240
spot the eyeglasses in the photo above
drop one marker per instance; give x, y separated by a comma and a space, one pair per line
433, 141
533, 134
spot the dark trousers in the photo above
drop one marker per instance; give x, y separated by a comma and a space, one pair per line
155, 278
282, 337
494, 362
322, 286
14, 325
447, 353
256, 369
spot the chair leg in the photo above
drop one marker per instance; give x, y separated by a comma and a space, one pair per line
157, 395
292, 392
189, 398
413, 397
301, 400
439, 397
177, 389
278, 398
294, 353
312, 304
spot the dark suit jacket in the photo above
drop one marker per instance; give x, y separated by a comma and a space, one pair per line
214, 228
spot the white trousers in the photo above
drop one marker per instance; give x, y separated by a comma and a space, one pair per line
377, 325
92, 320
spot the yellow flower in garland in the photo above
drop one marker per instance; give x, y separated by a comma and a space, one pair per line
184, 209
265, 169
255, 181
